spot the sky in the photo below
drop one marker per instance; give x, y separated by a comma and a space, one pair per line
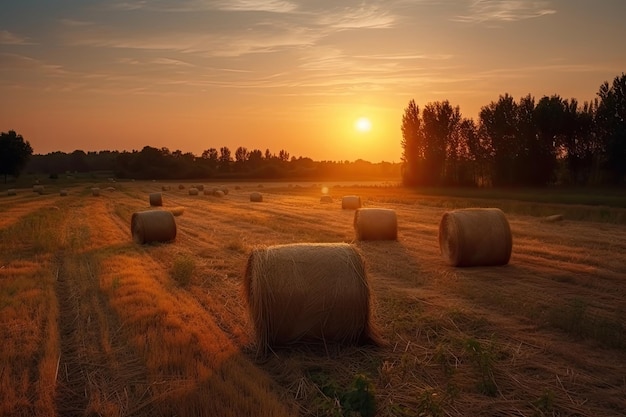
191, 75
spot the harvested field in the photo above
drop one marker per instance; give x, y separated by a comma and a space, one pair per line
94, 324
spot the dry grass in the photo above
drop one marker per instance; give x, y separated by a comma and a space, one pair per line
528, 338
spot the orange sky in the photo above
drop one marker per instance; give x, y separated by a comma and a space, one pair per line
281, 74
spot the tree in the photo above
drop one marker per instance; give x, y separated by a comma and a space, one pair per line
14, 154
440, 126
224, 159
611, 124
412, 145
498, 125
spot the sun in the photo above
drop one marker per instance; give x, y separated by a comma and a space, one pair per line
363, 124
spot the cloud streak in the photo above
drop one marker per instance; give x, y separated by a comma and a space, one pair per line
504, 10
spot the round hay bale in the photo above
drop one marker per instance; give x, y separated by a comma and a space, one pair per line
206, 191
200, 187
63, 193
326, 199
351, 202
156, 199
193, 191
475, 237
313, 292
95, 191
224, 189
110, 189
375, 224
11, 191
218, 193
177, 211
181, 187
553, 218
256, 197
39, 189
165, 188
237, 187
153, 226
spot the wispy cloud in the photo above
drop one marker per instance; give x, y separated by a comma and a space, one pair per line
274, 6
364, 16
8, 38
504, 10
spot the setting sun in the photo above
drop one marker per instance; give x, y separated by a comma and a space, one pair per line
363, 124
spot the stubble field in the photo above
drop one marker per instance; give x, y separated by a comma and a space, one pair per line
93, 324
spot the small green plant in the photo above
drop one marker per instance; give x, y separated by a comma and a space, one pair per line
429, 404
182, 270
360, 398
545, 403
483, 361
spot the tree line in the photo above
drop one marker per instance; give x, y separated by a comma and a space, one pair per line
519, 143
161, 163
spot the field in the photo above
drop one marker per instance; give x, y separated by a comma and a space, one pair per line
93, 324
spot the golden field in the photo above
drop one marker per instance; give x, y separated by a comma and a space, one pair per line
93, 324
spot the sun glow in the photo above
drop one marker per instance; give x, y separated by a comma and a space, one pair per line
363, 124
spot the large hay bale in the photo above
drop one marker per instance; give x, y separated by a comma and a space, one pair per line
11, 191
218, 193
375, 224
313, 292
153, 226
351, 202
475, 237
193, 191
63, 193
95, 191
39, 189
156, 199
326, 199
256, 197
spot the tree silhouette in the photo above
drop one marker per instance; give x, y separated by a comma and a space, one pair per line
412, 145
14, 154
611, 124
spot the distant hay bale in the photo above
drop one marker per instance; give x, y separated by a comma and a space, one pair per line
11, 191
156, 199
315, 292
39, 189
165, 188
475, 237
237, 187
153, 226
95, 191
63, 193
351, 202
553, 218
224, 189
177, 211
200, 187
326, 199
218, 193
110, 189
193, 191
256, 197
206, 191
181, 187
375, 224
